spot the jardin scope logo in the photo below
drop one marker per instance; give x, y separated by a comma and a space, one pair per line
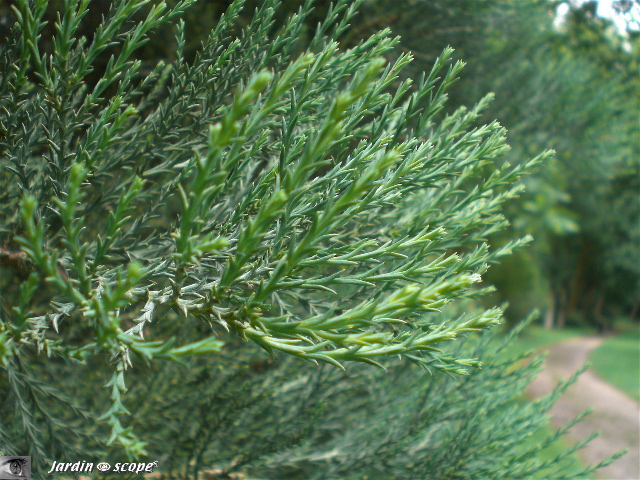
86, 467
15, 467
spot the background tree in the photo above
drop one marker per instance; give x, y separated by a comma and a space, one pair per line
568, 83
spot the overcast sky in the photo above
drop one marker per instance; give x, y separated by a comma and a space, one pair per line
606, 10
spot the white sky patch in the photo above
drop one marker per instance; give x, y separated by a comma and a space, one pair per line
605, 10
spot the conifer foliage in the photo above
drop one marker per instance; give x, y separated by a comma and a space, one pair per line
291, 192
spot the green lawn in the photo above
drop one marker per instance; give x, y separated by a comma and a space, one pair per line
535, 337
617, 361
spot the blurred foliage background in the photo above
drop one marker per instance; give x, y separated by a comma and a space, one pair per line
565, 78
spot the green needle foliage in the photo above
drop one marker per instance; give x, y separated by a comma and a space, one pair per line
288, 192
253, 418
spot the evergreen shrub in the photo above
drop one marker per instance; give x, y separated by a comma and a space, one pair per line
160, 218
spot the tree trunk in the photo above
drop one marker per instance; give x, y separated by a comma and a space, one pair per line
562, 308
597, 313
634, 309
576, 284
549, 316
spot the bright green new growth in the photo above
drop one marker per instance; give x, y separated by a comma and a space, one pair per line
319, 207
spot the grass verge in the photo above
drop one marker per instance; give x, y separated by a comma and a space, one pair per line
617, 361
535, 337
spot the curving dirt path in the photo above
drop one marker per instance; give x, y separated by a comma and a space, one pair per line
615, 415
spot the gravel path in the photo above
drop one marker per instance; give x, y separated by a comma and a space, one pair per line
615, 415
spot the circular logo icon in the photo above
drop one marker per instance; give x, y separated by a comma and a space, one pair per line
103, 467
